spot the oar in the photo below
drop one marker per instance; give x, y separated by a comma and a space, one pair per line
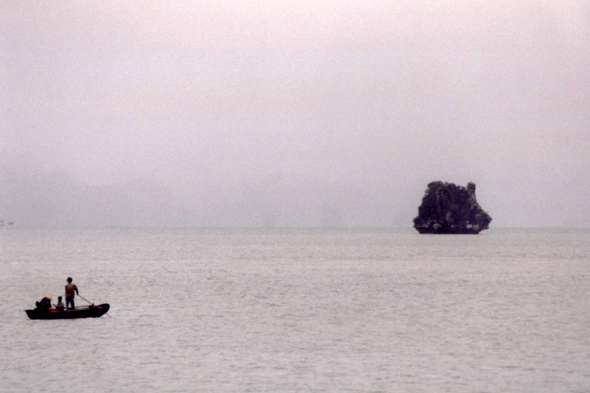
107, 314
86, 300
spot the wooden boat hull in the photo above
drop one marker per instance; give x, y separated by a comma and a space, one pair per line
79, 312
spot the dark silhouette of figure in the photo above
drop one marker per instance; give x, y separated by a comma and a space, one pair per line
71, 292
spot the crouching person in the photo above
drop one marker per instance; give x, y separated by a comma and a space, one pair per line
60, 305
45, 303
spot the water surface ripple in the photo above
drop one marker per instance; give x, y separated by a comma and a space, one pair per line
297, 310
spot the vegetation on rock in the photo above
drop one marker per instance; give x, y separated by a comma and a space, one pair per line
450, 209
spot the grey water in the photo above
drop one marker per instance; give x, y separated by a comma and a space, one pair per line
298, 310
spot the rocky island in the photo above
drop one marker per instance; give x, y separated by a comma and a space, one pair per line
450, 209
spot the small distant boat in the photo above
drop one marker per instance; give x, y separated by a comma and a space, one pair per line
80, 312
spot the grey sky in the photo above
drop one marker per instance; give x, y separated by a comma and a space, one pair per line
292, 113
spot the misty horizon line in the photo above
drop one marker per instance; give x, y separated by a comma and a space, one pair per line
180, 227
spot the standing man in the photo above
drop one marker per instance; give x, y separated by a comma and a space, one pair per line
71, 291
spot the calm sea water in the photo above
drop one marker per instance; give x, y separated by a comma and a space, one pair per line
298, 311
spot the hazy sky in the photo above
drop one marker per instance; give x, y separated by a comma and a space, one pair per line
292, 113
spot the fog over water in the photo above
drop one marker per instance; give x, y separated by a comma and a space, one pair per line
292, 113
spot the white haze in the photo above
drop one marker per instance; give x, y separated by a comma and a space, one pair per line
292, 113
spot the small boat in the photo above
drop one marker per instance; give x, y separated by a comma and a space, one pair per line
91, 311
